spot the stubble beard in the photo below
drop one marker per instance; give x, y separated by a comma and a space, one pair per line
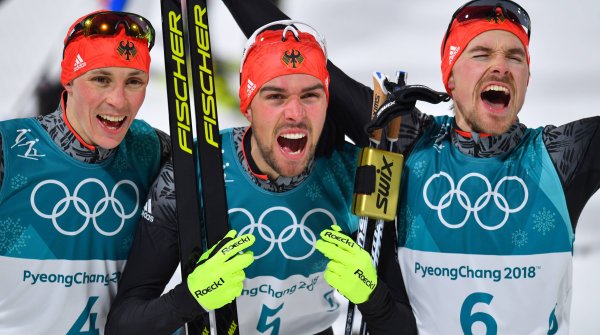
479, 123
289, 169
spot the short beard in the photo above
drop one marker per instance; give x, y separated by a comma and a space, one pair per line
269, 159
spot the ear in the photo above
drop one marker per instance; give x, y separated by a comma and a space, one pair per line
69, 87
248, 114
451, 84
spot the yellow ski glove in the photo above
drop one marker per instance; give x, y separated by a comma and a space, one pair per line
350, 269
219, 276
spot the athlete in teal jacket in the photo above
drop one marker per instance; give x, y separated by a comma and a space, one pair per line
280, 196
489, 206
73, 182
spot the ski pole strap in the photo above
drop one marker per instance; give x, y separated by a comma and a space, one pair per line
365, 179
378, 184
402, 101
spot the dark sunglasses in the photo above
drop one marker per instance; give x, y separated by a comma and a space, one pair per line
107, 23
487, 9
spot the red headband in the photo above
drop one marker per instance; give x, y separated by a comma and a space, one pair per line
270, 57
83, 54
461, 35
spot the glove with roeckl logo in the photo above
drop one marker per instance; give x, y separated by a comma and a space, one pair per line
219, 275
350, 269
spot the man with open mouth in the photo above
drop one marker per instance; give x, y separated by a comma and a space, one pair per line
73, 181
488, 206
282, 192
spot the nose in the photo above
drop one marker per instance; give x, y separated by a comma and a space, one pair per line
117, 97
500, 64
294, 110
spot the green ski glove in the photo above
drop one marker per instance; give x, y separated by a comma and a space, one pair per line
219, 276
350, 269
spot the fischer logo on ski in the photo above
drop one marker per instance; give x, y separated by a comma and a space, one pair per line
187, 34
184, 118
206, 76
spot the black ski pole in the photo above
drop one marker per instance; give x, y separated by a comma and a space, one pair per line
376, 190
392, 133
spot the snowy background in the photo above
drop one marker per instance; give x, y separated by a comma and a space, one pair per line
362, 37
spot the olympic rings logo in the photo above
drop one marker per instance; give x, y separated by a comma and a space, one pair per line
289, 232
84, 208
482, 201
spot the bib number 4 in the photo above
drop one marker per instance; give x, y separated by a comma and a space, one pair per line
86, 318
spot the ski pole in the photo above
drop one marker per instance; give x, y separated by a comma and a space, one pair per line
376, 190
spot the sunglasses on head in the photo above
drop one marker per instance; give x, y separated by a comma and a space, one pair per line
107, 23
488, 10
287, 26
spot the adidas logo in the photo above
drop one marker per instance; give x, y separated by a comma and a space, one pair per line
250, 87
79, 63
453, 51
147, 211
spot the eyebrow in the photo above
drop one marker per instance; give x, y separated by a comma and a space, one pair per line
101, 71
511, 51
278, 89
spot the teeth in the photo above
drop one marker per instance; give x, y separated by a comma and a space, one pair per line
295, 136
112, 118
496, 88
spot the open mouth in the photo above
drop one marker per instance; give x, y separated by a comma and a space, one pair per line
497, 97
292, 143
112, 122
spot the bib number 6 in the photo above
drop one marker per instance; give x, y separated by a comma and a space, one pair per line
468, 317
